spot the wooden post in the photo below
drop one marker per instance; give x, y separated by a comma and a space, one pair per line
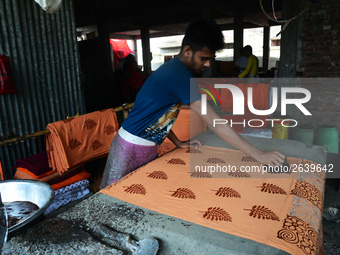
145, 34
238, 35
266, 41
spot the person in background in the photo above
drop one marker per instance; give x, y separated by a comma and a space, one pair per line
132, 80
241, 62
252, 65
159, 101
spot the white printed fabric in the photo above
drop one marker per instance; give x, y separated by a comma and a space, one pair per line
73, 186
59, 203
68, 194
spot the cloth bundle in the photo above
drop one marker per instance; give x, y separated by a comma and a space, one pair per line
68, 194
77, 140
34, 167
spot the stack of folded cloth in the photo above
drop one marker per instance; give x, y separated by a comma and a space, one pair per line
68, 194
36, 167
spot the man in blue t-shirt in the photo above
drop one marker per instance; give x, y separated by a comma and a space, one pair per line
159, 101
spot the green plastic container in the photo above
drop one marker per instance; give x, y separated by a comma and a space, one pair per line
304, 135
328, 136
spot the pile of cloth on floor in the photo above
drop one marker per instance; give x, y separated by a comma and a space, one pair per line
69, 187
70, 144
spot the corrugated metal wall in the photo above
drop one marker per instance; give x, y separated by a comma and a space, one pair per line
44, 58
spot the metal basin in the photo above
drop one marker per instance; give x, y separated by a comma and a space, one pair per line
37, 192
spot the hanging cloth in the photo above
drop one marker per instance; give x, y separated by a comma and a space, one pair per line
6, 80
50, 6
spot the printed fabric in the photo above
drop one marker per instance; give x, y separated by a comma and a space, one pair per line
276, 209
75, 141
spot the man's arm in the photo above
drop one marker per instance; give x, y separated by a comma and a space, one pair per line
230, 136
182, 144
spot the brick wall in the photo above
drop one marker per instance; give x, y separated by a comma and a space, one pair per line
319, 56
320, 40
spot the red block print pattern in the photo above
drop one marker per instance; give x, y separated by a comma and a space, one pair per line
248, 159
296, 231
215, 160
89, 124
183, 193
200, 175
73, 144
109, 129
68, 120
262, 212
158, 175
217, 214
96, 145
193, 150
136, 189
176, 161
271, 188
239, 174
227, 192
309, 192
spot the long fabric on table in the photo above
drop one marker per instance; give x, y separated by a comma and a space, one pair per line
281, 211
77, 140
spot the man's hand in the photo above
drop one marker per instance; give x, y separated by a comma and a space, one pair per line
189, 144
271, 158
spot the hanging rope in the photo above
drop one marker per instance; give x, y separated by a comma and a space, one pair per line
284, 22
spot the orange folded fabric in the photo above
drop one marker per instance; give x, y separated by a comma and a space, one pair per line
26, 175
77, 140
37, 177
77, 177
1, 172
280, 210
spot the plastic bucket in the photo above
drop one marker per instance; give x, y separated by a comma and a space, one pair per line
328, 136
304, 135
279, 131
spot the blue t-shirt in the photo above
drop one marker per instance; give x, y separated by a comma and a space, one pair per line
158, 102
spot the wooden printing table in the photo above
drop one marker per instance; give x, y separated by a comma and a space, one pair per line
176, 236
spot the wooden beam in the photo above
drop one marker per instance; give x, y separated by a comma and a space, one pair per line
46, 131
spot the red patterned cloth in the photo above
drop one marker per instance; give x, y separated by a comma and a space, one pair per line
77, 140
